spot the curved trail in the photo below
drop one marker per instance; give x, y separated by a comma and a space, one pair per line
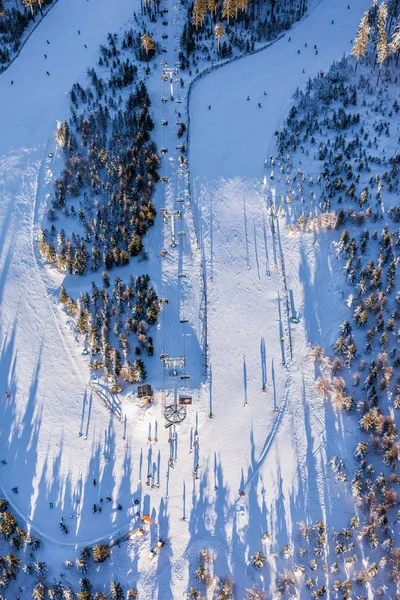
44, 375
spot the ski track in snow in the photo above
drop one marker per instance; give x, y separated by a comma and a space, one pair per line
278, 458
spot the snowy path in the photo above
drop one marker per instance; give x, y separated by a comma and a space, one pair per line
278, 458
47, 382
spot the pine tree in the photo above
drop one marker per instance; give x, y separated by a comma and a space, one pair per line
229, 9
38, 592
382, 50
116, 591
63, 295
219, 32
212, 6
199, 11
100, 553
394, 45
243, 5
394, 9
147, 44
362, 39
29, 3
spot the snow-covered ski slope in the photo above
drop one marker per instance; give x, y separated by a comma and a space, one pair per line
278, 458
40, 423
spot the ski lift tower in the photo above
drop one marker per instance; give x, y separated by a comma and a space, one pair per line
173, 363
173, 215
167, 71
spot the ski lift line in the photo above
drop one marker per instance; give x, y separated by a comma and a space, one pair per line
275, 233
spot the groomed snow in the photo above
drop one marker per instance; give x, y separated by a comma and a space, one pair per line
278, 458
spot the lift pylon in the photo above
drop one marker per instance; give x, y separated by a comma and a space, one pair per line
171, 215
168, 72
173, 362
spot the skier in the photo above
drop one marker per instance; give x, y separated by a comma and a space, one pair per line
48, 42
264, 387
7, 393
333, 21
304, 70
79, 33
290, 39
265, 93
119, 507
316, 52
259, 105
248, 98
94, 508
94, 482
85, 45
15, 490
45, 55
47, 73
305, 45
209, 107
12, 83
298, 51
242, 494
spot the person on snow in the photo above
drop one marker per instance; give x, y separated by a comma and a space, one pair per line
12, 83
209, 107
47, 41
119, 507
259, 105
79, 33
248, 98
47, 73
45, 55
15, 490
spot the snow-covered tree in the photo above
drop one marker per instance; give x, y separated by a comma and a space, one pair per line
362, 38
148, 44
198, 13
229, 9
394, 45
219, 32
212, 6
382, 49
